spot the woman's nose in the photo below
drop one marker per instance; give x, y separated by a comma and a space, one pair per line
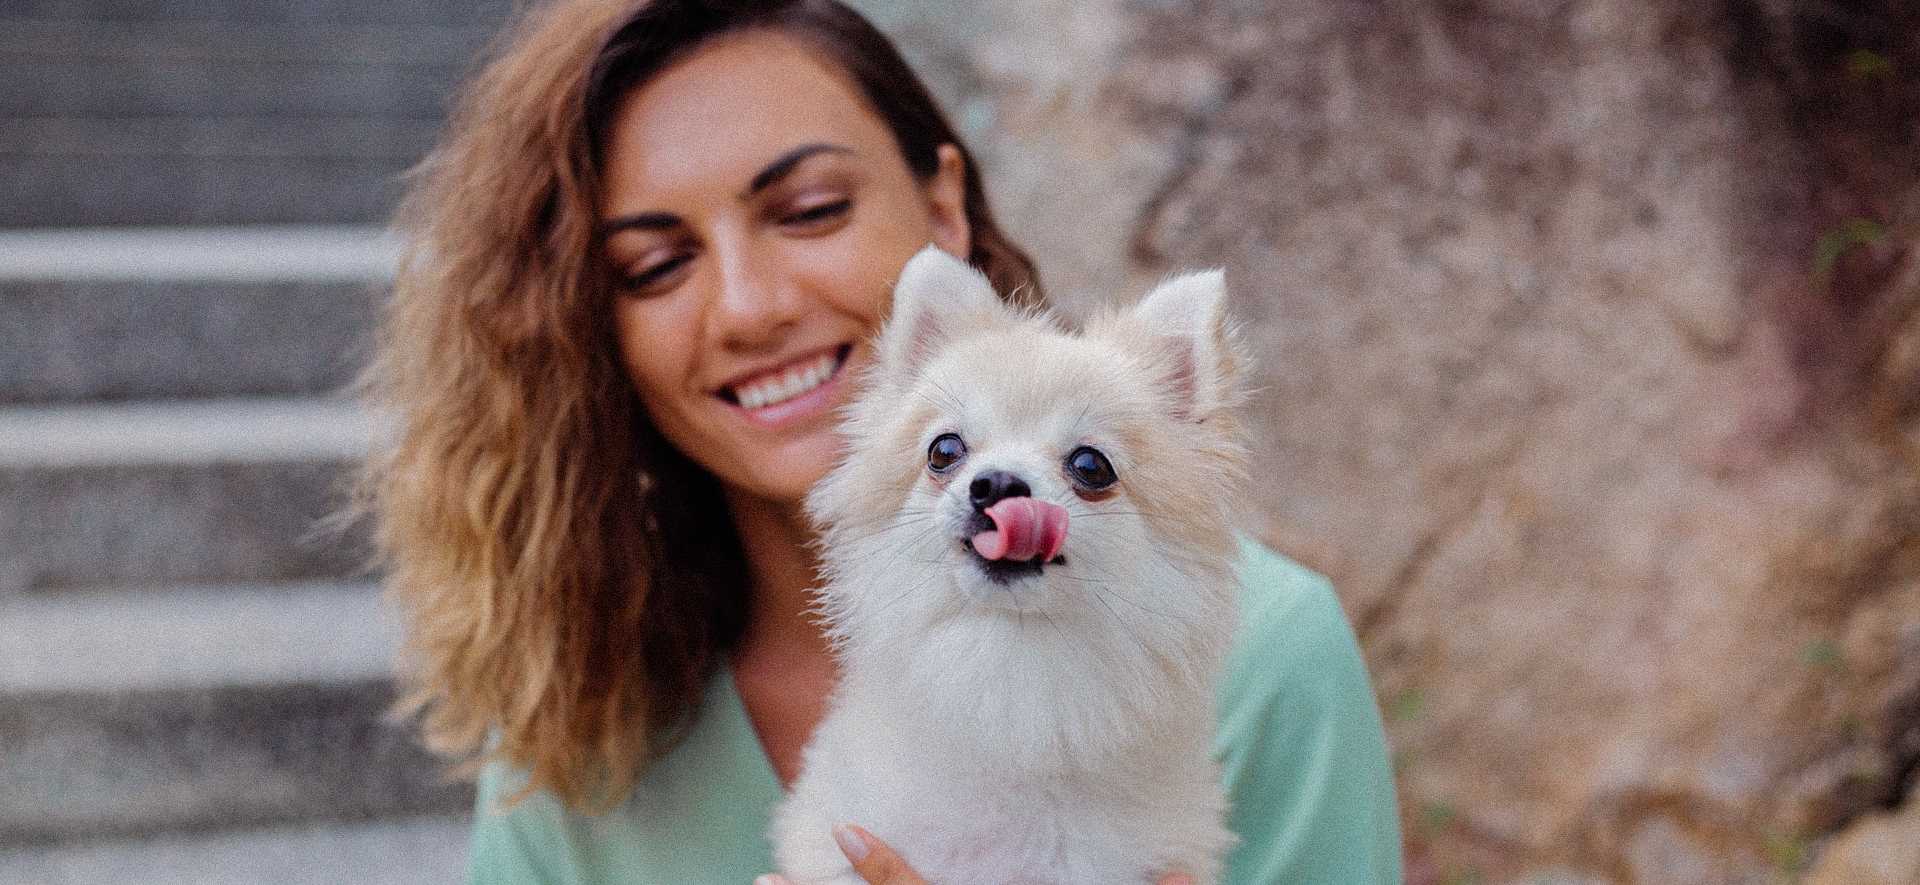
756, 304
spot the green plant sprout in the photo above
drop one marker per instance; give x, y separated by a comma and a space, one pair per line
1865, 64
1787, 852
1407, 706
1437, 816
1832, 245
1825, 654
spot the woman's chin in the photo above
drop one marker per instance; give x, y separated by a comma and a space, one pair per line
791, 472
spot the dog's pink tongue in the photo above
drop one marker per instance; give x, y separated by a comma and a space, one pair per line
1023, 530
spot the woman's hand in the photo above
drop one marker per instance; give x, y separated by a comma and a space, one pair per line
881, 865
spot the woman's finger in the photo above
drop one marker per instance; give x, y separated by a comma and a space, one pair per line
872, 859
1177, 879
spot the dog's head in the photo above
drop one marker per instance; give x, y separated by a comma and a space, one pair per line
999, 465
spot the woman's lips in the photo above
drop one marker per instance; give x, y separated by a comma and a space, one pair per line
776, 387
797, 389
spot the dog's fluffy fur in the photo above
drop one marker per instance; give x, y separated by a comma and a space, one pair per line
1048, 725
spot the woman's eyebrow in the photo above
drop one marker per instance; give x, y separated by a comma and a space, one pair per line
643, 221
762, 180
779, 169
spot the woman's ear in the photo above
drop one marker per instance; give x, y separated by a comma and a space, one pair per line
947, 201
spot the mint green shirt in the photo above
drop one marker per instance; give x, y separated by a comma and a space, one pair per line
1299, 739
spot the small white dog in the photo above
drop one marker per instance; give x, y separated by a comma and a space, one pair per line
1029, 553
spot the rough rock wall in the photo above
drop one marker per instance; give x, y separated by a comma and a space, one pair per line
1590, 336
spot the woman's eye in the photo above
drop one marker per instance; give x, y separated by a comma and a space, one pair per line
819, 213
946, 451
653, 274
1090, 468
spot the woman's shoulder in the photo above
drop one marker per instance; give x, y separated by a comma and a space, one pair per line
698, 816
1302, 752
1290, 618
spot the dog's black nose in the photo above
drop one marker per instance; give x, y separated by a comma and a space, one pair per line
991, 486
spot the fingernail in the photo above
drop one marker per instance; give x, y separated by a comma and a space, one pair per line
769, 879
851, 845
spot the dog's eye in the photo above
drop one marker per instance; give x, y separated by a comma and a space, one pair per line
946, 451
1090, 468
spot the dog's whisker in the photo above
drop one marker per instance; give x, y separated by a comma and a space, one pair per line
869, 530
886, 516
909, 591
1109, 587
1156, 517
1108, 590
1056, 627
1085, 410
1124, 625
950, 401
1101, 598
895, 526
901, 550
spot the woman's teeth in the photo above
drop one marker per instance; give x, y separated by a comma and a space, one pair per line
789, 384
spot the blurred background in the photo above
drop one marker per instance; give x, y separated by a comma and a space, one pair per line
193, 677
1589, 344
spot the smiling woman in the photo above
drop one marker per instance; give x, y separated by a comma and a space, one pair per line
642, 275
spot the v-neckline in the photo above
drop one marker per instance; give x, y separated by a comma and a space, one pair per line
741, 738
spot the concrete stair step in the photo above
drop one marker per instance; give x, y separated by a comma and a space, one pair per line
110, 69
223, 111
123, 313
247, 12
204, 170
202, 492
411, 851
191, 709
191, 638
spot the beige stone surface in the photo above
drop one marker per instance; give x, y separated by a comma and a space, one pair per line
1623, 498
1881, 849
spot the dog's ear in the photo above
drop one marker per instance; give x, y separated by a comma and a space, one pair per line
1186, 318
938, 295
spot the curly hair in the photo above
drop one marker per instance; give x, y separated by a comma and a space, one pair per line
569, 581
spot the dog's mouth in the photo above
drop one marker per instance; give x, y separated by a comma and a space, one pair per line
1006, 571
999, 568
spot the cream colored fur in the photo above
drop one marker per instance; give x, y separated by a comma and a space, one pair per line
1055, 728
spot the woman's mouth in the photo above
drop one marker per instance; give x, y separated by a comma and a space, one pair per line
776, 388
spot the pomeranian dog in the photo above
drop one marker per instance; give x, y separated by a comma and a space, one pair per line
1028, 554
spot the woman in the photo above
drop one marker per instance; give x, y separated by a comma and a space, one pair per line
643, 266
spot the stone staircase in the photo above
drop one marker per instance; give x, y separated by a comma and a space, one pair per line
193, 674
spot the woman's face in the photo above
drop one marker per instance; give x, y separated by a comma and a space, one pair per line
757, 215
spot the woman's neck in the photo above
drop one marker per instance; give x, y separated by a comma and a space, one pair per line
777, 540
783, 668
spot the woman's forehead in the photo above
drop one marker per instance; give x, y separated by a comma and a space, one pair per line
718, 117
